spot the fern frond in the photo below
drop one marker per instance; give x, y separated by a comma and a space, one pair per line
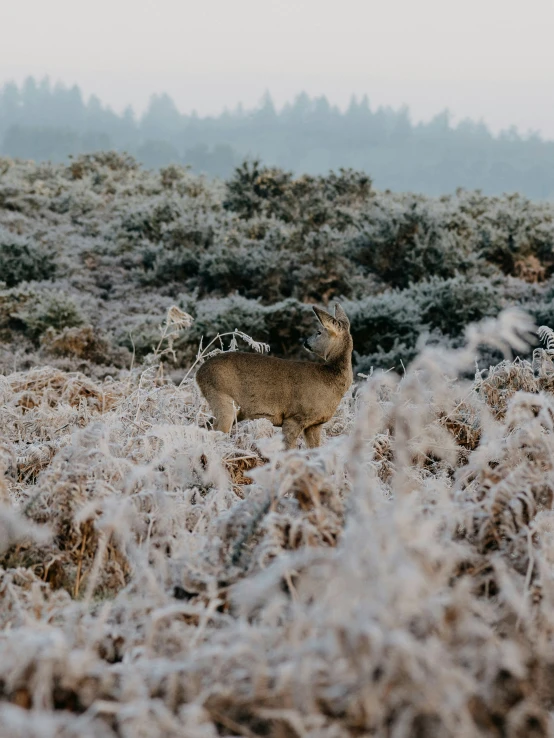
546, 335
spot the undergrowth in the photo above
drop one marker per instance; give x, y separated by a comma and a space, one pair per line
160, 579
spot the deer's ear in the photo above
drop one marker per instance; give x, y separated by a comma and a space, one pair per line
326, 320
341, 316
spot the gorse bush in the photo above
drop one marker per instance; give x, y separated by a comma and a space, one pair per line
390, 324
43, 310
21, 260
383, 322
515, 235
313, 201
84, 343
449, 305
410, 243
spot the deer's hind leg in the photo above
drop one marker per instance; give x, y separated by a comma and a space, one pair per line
223, 410
292, 428
313, 436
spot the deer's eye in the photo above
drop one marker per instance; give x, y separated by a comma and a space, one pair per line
318, 333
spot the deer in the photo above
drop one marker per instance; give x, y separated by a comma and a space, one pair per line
297, 396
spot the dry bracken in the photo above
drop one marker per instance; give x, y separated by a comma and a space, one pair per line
158, 578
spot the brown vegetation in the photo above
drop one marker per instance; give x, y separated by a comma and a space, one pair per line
158, 578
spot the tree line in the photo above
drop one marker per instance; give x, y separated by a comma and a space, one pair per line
41, 121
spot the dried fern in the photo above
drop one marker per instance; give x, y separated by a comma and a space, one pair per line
546, 335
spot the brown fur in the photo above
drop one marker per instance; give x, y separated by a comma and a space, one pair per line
299, 396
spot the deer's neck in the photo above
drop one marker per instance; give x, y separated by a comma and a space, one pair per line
340, 368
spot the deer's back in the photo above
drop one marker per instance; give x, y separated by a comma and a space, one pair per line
229, 371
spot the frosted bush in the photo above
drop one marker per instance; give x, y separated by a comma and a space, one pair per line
21, 260
129, 243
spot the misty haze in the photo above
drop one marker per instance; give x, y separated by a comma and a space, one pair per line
48, 122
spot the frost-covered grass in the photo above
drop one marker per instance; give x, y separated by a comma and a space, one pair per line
161, 579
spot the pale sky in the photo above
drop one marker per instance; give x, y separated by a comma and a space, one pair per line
489, 59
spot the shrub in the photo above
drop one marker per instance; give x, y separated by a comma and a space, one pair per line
100, 161
313, 201
451, 304
148, 222
286, 323
47, 309
281, 263
382, 324
517, 237
396, 358
172, 245
386, 328
83, 342
160, 265
404, 243
319, 270
11, 301
282, 324
540, 304
21, 260
244, 268
253, 188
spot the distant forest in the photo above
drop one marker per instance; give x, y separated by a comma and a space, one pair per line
43, 122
